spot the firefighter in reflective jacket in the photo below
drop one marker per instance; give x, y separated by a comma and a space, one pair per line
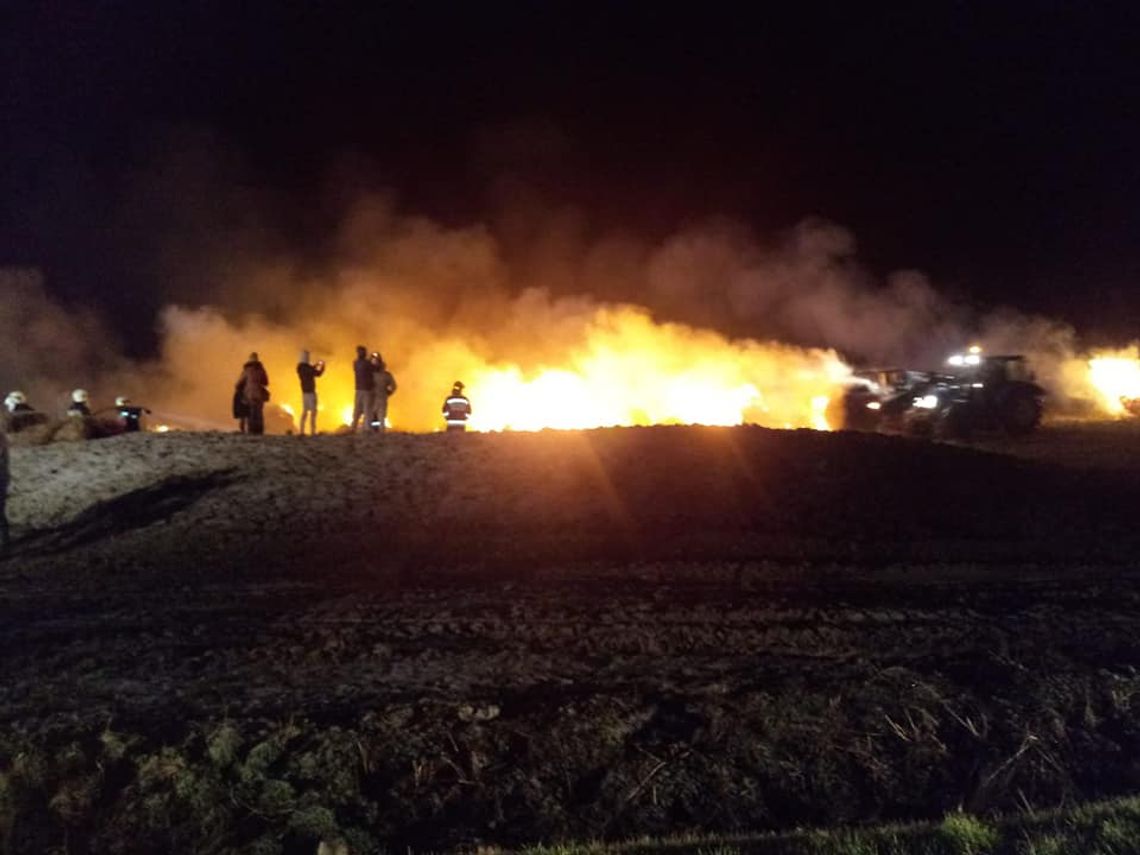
456, 409
79, 404
130, 416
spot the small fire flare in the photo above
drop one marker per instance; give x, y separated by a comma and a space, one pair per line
1115, 375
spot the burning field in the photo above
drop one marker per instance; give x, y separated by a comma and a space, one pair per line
223, 643
662, 617
713, 325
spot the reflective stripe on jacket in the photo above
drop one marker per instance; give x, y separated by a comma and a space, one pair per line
456, 409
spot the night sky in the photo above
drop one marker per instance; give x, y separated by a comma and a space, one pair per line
994, 146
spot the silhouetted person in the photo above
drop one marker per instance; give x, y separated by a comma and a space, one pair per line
17, 402
456, 409
384, 388
240, 407
364, 375
254, 384
21, 414
130, 416
309, 374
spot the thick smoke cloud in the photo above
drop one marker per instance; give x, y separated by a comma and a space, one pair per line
805, 288
522, 287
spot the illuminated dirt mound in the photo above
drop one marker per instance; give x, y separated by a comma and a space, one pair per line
507, 502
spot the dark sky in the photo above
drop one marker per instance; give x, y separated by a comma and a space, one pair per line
995, 146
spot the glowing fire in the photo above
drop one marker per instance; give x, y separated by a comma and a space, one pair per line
1115, 375
624, 369
630, 370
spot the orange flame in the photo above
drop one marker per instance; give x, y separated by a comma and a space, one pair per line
630, 370
624, 369
1115, 375
546, 365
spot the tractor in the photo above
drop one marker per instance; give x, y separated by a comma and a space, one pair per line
977, 394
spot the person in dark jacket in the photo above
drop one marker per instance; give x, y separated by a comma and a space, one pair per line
456, 409
364, 373
130, 415
253, 383
240, 408
384, 388
21, 414
17, 402
309, 374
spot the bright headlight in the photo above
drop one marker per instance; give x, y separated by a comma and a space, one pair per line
926, 402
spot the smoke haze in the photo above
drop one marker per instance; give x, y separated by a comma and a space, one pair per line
529, 289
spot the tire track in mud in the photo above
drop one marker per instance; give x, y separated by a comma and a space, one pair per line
270, 653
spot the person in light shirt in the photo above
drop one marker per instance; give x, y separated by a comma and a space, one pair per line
308, 375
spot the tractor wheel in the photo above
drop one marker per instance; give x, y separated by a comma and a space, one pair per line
1021, 414
954, 424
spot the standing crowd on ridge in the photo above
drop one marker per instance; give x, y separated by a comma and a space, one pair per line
373, 385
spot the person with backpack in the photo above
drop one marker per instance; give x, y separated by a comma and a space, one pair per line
253, 382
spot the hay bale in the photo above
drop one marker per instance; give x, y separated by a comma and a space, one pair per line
72, 429
38, 434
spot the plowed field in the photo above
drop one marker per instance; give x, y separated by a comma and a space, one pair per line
226, 643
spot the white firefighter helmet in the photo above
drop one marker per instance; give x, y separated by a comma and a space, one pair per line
79, 396
14, 398
122, 401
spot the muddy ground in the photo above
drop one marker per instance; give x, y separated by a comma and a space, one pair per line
226, 643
